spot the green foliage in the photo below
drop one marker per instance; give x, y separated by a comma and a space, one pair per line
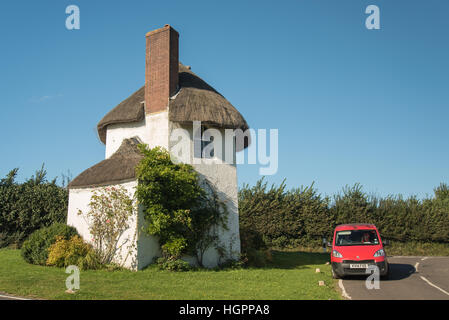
35, 248
251, 239
301, 217
174, 247
168, 192
74, 251
29, 206
177, 209
256, 258
173, 265
283, 218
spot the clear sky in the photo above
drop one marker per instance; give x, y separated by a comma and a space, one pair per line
351, 104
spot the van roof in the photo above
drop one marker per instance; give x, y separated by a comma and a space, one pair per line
354, 226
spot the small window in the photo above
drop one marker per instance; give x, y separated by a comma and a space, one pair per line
200, 143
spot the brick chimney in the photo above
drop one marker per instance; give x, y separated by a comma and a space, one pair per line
161, 70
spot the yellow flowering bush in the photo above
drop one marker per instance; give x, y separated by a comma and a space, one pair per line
74, 251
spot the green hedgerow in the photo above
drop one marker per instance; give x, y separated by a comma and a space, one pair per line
28, 206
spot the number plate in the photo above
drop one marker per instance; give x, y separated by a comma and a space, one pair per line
358, 266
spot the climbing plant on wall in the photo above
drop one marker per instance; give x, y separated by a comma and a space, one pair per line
177, 208
109, 217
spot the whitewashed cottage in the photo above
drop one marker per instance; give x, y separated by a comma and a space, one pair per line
173, 97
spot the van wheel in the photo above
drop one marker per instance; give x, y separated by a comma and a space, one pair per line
386, 276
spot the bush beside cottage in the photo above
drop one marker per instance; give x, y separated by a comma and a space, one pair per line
28, 206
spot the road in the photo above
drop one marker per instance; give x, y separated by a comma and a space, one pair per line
411, 278
4, 296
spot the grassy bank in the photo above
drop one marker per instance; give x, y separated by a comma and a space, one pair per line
291, 275
417, 249
395, 248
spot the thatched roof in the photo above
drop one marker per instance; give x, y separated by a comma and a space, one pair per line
129, 110
118, 168
195, 101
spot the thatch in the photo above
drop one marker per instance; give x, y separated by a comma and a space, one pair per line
129, 110
198, 101
195, 101
118, 168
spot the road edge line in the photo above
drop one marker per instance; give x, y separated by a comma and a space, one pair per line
343, 291
13, 298
435, 286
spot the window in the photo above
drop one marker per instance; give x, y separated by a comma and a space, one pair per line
203, 146
356, 238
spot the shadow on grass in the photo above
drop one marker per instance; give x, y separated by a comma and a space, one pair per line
297, 259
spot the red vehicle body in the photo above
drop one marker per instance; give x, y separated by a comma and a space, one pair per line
356, 249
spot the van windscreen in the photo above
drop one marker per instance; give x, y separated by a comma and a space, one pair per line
356, 238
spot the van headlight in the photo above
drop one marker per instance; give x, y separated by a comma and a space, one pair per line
337, 254
380, 253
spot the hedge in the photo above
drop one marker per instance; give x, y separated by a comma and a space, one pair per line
29, 206
301, 217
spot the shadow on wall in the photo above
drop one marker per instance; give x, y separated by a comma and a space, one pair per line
230, 238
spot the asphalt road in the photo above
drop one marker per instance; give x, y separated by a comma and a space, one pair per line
4, 296
411, 278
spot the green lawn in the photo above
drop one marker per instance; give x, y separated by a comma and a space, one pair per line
291, 276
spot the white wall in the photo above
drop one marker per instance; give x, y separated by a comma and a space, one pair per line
224, 178
116, 133
153, 130
157, 129
144, 247
147, 246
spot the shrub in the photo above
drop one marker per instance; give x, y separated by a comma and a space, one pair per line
173, 265
254, 251
74, 251
29, 206
35, 248
174, 247
250, 239
256, 258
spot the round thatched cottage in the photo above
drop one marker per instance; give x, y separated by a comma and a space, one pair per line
172, 98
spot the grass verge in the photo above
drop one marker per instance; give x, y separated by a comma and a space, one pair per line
395, 248
417, 249
290, 276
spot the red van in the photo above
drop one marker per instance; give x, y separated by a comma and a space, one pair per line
355, 247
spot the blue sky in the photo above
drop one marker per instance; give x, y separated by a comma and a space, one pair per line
351, 104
